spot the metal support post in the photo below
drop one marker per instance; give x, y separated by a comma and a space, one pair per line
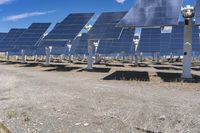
90, 54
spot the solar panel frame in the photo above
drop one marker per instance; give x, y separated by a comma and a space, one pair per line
70, 27
197, 12
7, 43
105, 26
32, 36
2, 35
80, 45
150, 40
150, 13
195, 38
124, 45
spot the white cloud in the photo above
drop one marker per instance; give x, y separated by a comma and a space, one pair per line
2, 2
120, 1
26, 15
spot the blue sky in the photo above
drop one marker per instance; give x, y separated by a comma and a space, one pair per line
21, 13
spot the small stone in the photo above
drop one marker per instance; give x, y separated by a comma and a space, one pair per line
99, 130
86, 124
162, 118
77, 124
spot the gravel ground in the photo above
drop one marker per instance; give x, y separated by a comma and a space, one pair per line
36, 101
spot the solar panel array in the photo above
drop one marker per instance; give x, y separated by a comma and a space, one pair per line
150, 40
7, 43
176, 39
105, 26
80, 45
31, 37
2, 35
152, 13
196, 39
60, 51
197, 12
165, 44
124, 45
67, 30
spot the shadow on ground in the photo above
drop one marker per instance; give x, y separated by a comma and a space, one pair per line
31, 65
96, 69
128, 75
196, 69
146, 131
115, 65
62, 69
176, 77
11, 63
167, 68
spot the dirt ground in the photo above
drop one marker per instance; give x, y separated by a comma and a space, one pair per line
36, 99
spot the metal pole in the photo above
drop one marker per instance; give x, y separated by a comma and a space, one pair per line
90, 51
188, 14
36, 58
23, 56
141, 57
47, 50
157, 57
7, 56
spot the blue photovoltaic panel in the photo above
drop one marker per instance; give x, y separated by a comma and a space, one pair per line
40, 51
173, 42
177, 39
124, 45
195, 39
197, 12
165, 44
70, 27
53, 43
2, 35
150, 40
105, 47
147, 13
7, 43
80, 45
60, 51
105, 26
31, 37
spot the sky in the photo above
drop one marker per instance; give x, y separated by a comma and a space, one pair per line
21, 13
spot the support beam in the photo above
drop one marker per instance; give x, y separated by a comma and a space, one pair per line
48, 54
157, 57
36, 58
141, 57
23, 61
188, 14
136, 59
90, 54
7, 57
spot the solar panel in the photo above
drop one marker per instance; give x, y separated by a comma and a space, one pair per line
6, 44
30, 38
2, 35
69, 28
105, 26
176, 41
165, 44
124, 45
80, 45
59, 51
150, 40
195, 38
173, 42
197, 12
147, 13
